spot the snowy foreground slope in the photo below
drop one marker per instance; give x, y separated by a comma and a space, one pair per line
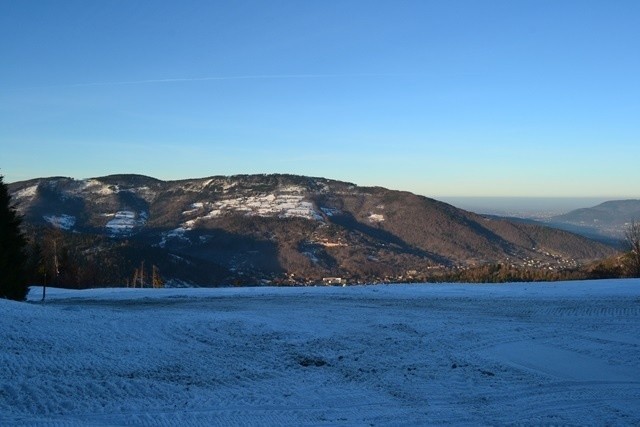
561, 353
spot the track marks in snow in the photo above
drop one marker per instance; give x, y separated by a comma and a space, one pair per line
315, 359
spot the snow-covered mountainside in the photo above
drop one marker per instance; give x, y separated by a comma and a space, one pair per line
120, 205
278, 227
515, 354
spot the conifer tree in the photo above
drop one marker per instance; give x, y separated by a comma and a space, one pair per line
13, 258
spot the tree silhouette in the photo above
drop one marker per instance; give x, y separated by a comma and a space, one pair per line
13, 258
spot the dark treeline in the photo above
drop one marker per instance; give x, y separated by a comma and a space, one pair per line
78, 261
500, 273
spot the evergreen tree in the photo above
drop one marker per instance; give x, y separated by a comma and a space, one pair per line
13, 258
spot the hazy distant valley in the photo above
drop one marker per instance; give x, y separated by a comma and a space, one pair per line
596, 218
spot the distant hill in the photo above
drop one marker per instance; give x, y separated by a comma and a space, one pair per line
607, 219
278, 228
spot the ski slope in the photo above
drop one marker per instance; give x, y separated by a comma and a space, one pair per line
530, 354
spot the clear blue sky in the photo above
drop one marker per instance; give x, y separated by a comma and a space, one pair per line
442, 98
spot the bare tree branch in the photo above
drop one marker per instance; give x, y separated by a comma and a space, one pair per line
632, 241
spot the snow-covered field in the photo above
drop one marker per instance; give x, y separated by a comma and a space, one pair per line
562, 353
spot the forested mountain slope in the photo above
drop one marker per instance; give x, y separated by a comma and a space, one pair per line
281, 228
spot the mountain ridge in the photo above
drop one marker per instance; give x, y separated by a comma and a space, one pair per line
281, 227
605, 220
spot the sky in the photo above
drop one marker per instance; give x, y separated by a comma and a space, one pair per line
442, 98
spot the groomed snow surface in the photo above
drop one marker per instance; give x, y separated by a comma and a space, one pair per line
529, 354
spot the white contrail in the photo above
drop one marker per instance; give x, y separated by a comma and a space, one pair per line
248, 77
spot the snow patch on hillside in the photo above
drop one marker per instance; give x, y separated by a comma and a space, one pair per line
287, 202
125, 222
330, 211
63, 222
177, 233
323, 187
194, 208
376, 217
28, 192
96, 187
206, 183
